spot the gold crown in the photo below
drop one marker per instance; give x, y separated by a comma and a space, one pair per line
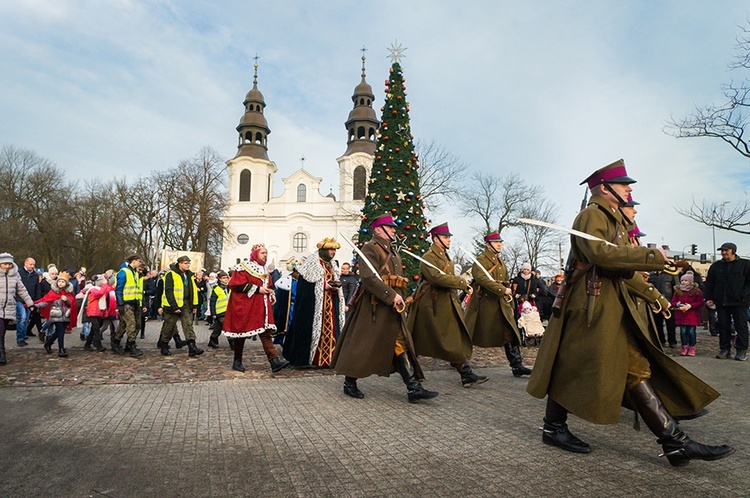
258, 246
65, 275
328, 243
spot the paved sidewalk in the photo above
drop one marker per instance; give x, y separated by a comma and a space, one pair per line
300, 436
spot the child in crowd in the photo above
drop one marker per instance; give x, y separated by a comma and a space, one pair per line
58, 306
687, 301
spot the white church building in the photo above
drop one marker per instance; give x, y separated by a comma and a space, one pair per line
292, 223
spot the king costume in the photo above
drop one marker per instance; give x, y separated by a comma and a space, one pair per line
318, 310
249, 310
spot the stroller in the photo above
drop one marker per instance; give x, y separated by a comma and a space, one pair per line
530, 324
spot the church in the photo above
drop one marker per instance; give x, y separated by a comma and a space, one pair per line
292, 223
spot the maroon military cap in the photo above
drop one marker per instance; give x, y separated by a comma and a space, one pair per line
611, 173
441, 229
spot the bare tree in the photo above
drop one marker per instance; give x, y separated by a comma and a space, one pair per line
440, 174
540, 242
726, 121
716, 214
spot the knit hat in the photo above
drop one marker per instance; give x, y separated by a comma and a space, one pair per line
99, 279
688, 277
526, 266
6, 257
526, 305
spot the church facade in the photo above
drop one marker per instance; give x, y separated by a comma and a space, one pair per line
292, 223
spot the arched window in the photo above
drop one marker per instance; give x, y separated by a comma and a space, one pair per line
249, 137
301, 193
361, 132
351, 134
299, 242
259, 138
360, 183
371, 134
361, 101
245, 180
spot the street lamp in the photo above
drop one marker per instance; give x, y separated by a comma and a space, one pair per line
713, 229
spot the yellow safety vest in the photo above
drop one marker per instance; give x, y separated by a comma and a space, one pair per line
178, 289
222, 299
133, 290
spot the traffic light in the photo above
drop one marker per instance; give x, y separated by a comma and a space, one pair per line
693, 249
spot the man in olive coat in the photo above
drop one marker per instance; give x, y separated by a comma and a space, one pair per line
598, 353
436, 319
375, 340
489, 316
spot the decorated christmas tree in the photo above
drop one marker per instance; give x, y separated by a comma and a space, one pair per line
394, 181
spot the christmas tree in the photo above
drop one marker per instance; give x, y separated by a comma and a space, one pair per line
394, 180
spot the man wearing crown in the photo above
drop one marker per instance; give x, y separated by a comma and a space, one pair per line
318, 310
249, 311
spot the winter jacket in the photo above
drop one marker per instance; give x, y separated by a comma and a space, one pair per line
10, 285
728, 283
56, 310
31, 282
94, 296
694, 298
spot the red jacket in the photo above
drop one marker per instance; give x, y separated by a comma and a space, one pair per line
92, 300
694, 298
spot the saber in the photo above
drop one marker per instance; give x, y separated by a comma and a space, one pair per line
367, 262
423, 261
473, 259
571, 231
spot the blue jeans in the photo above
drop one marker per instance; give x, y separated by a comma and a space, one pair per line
22, 321
687, 335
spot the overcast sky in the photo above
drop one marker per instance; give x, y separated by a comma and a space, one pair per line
552, 90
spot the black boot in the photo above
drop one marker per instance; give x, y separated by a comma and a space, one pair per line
237, 365
555, 431
98, 340
163, 347
116, 347
278, 364
193, 350
131, 348
62, 353
351, 389
678, 447
48, 343
179, 343
414, 389
513, 353
468, 378
3, 359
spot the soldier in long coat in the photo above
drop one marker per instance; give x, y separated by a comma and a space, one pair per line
436, 319
599, 354
489, 316
375, 340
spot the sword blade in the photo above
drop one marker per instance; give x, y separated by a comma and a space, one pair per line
423, 261
559, 228
361, 255
474, 260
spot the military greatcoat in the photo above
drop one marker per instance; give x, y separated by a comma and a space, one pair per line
436, 319
582, 364
489, 316
367, 341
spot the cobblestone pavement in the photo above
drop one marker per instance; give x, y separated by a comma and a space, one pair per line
299, 435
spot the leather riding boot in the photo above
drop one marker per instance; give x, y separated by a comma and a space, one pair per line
278, 364
513, 353
193, 350
555, 431
237, 365
468, 378
414, 389
3, 359
678, 447
179, 343
351, 389
132, 349
48, 343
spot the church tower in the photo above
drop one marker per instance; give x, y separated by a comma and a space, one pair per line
361, 127
250, 171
